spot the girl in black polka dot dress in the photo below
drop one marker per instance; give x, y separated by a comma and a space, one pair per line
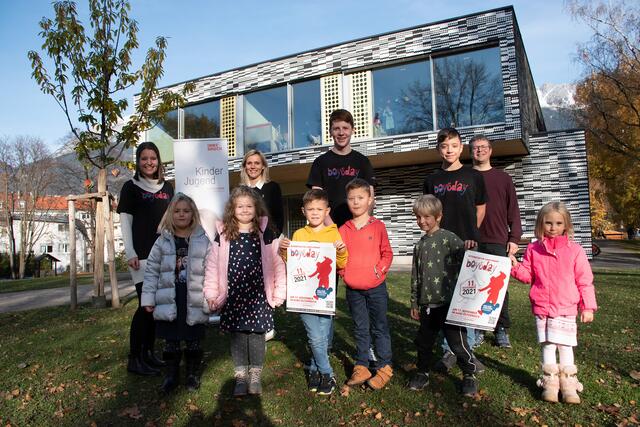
245, 280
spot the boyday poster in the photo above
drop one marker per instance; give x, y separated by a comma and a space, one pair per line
480, 290
311, 278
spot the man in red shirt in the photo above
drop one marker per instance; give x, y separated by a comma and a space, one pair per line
501, 229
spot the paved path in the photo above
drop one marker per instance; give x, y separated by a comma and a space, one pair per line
615, 254
28, 300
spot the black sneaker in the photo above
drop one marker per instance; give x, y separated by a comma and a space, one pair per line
469, 386
314, 381
446, 363
480, 368
327, 385
419, 381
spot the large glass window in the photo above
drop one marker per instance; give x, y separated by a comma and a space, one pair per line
307, 118
402, 99
469, 88
266, 121
202, 120
163, 134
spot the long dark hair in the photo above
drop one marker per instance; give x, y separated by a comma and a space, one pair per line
148, 145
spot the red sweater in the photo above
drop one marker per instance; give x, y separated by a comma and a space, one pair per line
370, 254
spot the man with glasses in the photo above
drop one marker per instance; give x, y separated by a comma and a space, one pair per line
501, 229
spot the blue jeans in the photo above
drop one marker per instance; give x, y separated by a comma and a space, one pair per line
319, 327
369, 312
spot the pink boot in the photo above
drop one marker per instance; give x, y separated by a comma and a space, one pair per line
550, 383
569, 384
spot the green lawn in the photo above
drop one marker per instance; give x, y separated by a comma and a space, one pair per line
42, 283
64, 368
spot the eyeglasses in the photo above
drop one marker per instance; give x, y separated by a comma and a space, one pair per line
481, 148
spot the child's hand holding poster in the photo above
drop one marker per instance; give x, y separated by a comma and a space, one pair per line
311, 278
480, 290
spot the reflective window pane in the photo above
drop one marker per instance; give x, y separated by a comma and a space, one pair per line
266, 121
307, 118
202, 120
402, 99
469, 88
163, 134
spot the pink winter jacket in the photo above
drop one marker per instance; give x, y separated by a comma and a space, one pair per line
216, 284
561, 281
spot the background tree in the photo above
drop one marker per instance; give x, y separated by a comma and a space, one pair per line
90, 72
608, 101
26, 174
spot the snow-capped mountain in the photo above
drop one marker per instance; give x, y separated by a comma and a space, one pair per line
557, 103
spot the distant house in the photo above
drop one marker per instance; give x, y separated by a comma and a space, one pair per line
51, 229
471, 72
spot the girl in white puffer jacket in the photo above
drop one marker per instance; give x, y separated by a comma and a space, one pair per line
173, 289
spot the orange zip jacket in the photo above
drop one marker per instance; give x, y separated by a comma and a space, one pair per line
370, 254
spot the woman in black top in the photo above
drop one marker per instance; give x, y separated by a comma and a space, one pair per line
143, 201
255, 174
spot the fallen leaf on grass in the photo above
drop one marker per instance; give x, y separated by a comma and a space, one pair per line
93, 356
22, 365
345, 390
379, 416
132, 412
16, 392
635, 375
609, 409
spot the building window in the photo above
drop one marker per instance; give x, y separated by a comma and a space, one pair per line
307, 117
63, 248
202, 120
266, 125
63, 228
469, 89
163, 134
402, 100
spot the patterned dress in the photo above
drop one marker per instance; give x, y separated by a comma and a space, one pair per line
247, 308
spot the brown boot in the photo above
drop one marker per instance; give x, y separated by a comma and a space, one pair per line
569, 384
359, 376
383, 375
550, 383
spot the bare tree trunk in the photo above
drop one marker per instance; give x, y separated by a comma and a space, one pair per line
73, 286
111, 254
99, 299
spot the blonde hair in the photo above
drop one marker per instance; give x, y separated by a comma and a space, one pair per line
427, 204
244, 178
167, 219
558, 207
230, 227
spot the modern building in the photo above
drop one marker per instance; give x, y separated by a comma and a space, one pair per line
470, 72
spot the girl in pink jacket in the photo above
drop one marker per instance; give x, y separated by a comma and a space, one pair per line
245, 280
561, 284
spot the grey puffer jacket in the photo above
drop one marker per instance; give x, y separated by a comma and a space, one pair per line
158, 288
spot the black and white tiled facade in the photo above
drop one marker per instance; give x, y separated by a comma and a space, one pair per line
555, 169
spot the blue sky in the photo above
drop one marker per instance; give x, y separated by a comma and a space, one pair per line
210, 36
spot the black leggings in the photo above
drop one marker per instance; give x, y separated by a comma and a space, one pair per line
173, 346
143, 328
431, 322
247, 348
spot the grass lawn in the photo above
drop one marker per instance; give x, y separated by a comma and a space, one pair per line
33, 284
64, 368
